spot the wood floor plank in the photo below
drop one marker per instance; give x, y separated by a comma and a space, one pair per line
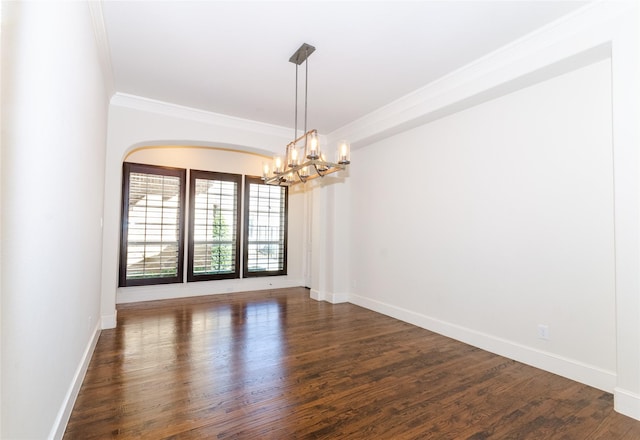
278, 365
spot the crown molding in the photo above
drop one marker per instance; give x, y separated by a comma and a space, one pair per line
568, 43
193, 114
102, 42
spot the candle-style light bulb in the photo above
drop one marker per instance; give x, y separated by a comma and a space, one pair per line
277, 165
344, 153
313, 145
292, 155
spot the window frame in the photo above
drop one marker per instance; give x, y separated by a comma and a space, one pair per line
212, 175
127, 169
248, 180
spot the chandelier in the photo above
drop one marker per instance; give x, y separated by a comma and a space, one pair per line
304, 160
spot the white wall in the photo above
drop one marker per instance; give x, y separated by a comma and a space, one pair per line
330, 227
3, 85
497, 219
228, 161
595, 32
54, 129
136, 123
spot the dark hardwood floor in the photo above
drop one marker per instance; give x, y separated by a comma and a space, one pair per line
278, 365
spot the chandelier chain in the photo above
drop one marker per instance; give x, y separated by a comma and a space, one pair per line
295, 134
306, 86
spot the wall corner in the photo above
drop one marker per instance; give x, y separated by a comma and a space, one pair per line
109, 321
627, 403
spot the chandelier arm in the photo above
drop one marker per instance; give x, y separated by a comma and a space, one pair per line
304, 135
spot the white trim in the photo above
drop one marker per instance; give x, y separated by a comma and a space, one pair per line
539, 55
198, 115
569, 368
202, 288
333, 298
60, 423
316, 295
104, 51
627, 403
109, 321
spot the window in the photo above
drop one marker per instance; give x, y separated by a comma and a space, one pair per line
152, 247
153, 221
214, 226
265, 228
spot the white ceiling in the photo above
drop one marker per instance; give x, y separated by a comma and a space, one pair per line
232, 57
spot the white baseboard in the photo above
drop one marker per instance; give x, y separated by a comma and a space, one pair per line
569, 368
627, 403
109, 321
60, 423
202, 288
333, 298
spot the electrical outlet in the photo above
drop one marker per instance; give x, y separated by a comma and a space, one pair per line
543, 332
